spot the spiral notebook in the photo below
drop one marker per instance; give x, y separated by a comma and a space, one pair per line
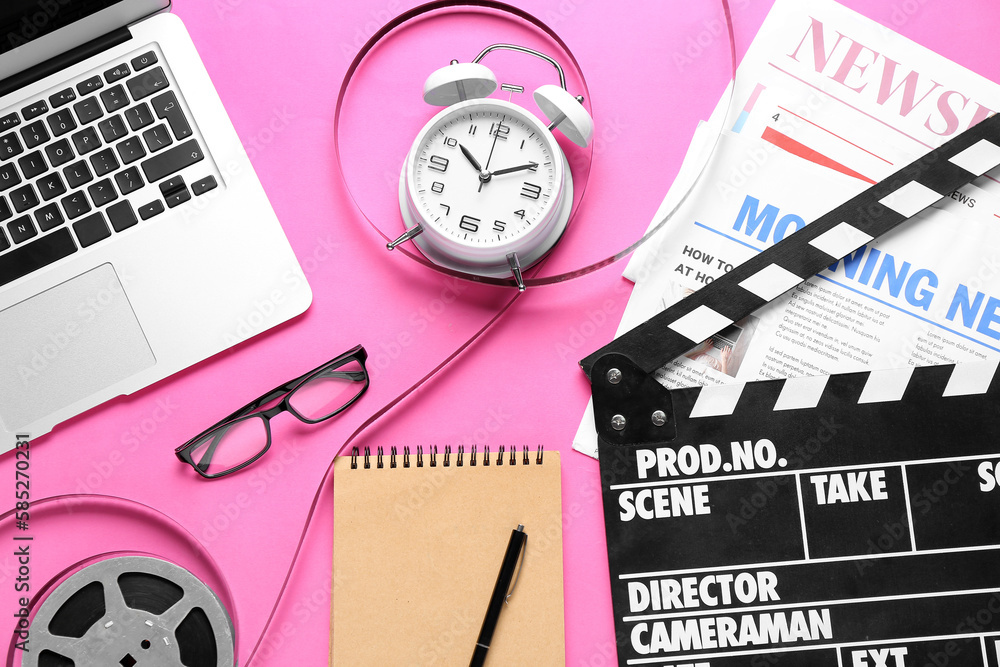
417, 543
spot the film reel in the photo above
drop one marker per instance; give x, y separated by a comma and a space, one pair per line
131, 611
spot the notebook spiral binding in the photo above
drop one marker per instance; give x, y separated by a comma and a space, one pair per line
432, 455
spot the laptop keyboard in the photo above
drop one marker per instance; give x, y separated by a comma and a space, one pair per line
75, 166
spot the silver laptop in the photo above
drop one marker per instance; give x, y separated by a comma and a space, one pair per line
135, 238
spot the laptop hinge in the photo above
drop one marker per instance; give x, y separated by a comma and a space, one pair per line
64, 60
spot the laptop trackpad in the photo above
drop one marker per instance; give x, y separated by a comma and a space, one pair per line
64, 344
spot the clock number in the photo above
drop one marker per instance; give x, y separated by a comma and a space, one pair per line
447, 209
530, 190
499, 226
472, 129
469, 223
500, 130
520, 213
451, 142
437, 187
438, 163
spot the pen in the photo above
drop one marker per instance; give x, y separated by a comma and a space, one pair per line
500, 593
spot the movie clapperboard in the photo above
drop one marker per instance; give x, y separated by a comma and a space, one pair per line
850, 520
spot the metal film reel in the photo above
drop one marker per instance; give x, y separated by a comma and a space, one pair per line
133, 611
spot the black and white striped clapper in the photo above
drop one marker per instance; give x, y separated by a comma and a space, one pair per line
793, 260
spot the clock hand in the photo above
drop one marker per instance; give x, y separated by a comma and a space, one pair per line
509, 170
485, 174
472, 160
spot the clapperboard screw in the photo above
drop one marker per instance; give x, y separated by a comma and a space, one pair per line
659, 418
614, 376
618, 422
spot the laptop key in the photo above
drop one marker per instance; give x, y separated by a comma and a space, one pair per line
77, 174
88, 110
9, 121
34, 110
10, 146
171, 185
5, 212
129, 180
154, 207
75, 205
204, 185
8, 176
59, 153
114, 98
102, 192
139, 116
4, 243
178, 198
23, 198
86, 140
89, 85
145, 84
131, 150
157, 138
62, 122
121, 215
62, 97
34, 134
91, 229
104, 162
51, 186
117, 73
167, 108
49, 217
35, 255
172, 160
145, 60
21, 229
112, 129
33, 164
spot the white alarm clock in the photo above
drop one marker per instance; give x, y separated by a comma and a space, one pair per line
485, 188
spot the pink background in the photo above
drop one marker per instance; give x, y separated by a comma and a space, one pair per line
278, 65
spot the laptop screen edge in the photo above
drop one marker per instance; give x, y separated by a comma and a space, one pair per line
49, 46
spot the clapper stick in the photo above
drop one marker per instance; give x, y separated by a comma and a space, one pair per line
808, 251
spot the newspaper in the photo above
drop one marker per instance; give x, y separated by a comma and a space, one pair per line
826, 103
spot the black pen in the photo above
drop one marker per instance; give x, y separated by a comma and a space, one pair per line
500, 593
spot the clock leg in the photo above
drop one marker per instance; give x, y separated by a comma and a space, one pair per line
406, 236
515, 269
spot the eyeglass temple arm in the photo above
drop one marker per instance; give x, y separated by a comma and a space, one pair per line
265, 399
356, 376
205, 460
357, 352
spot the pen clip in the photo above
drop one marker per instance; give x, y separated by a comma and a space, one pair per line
517, 575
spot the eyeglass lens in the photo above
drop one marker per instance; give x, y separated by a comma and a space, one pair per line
230, 445
328, 391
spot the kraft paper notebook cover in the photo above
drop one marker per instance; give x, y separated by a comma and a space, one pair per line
417, 549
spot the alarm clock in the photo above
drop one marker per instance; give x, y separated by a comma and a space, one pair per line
485, 188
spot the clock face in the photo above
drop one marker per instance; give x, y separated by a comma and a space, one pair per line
485, 175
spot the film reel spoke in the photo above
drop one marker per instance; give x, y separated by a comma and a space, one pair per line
59, 647
174, 617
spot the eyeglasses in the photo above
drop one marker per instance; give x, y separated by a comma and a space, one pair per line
241, 438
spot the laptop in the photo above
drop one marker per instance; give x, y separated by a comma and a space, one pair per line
727, 337
135, 238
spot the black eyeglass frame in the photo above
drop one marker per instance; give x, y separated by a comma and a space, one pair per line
249, 411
